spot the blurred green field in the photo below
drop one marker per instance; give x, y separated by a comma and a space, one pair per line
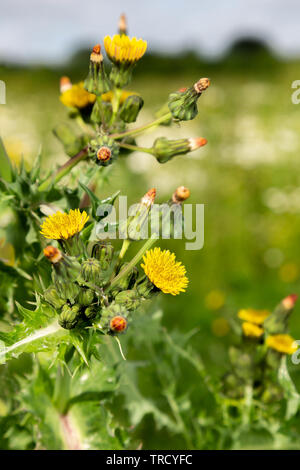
247, 177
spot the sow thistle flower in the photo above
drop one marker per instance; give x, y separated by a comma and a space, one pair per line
124, 53
251, 330
164, 271
253, 316
284, 343
75, 96
62, 226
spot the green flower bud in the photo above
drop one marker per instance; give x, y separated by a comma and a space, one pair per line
69, 316
91, 271
183, 104
52, 297
164, 149
133, 228
272, 393
67, 290
96, 81
277, 322
71, 142
131, 108
130, 299
146, 289
242, 362
85, 296
104, 253
127, 281
101, 112
90, 313
104, 150
108, 313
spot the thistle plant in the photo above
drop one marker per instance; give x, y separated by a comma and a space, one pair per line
83, 290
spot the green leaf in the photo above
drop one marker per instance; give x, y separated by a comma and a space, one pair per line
5, 163
291, 394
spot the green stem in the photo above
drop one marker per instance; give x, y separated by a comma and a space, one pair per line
64, 169
135, 148
134, 261
62, 389
138, 130
84, 127
124, 248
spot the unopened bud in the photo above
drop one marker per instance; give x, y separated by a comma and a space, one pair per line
51, 296
90, 313
131, 108
181, 194
104, 154
133, 228
196, 142
130, 299
118, 324
183, 104
122, 26
72, 143
103, 149
148, 199
69, 317
96, 81
85, 296
201, 85
104, 253
65, 84
289, 301
91, 271
53, 254
164, 149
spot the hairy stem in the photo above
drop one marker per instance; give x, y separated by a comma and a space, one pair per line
141, 129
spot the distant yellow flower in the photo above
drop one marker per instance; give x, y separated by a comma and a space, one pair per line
110, 94
215, 299
77, 97
220, 327
251, 330
124, 50
253, 316
164, 271
284, 344
63, 226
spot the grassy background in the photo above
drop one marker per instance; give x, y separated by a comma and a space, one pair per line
247, 177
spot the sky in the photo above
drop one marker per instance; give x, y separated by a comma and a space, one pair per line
49, 31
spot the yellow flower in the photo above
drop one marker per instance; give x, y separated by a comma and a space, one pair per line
164, 271
77, 97
253, 316
251, 330
63, 226
124, 50
282, 343
215, 299
110, 94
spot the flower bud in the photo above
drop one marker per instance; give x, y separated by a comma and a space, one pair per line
96, 81
277, 322
180, 195
134, 226
183, 104
104, 150
146, 289
67, 290
91, 271
51, 296
103, 252
90, 313
85, 296
130, 299
107, 313
118, 324
65, 84
101, 112
131, 108
122, 25
69, 316
164, 149
127, 281
53, 254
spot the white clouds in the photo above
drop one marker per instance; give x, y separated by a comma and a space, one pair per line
46, 30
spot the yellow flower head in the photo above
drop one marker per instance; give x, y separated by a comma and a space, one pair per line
164, 271
253, 316
251, 330
63, 226
77, 97
124, 50
284, 344
108, 97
